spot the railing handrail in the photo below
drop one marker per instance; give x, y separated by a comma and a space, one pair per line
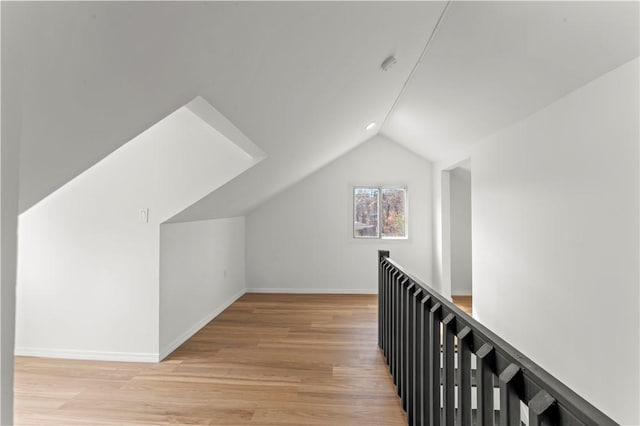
574, 408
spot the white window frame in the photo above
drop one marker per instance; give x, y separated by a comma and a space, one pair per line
380, 188
353, 206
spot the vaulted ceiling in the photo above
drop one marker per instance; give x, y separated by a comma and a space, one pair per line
492, 64
300, 79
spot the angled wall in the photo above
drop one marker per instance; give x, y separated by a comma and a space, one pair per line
89, 260
302, 239
202, 271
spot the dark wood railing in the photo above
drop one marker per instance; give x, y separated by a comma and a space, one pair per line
421, 333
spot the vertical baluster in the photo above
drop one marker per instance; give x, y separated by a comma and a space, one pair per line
509, 396
389, 316
484, 382
390, 319
382, 312
402, 322
541, 409
424, 395
394, 331
399, 339
414, 374
448, 385
397, 331
435, 316
380, 304
408, 346
387, 345
381, 256
385, 314
465, 341
400, 334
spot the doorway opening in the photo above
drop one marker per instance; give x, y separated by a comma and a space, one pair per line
460, 235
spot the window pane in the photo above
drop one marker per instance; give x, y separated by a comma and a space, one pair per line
392, 211
365, 212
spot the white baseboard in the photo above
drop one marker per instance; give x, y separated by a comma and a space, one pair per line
175, 344
313, 290
87, 355
462, 293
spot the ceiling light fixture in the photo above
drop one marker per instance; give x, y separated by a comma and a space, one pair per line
370, 125
388, 63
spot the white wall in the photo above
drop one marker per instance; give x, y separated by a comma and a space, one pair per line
460, 210
9, 155
555, 239
440, 204
8, 260
88, 273
301, 240
201, 273
441, 224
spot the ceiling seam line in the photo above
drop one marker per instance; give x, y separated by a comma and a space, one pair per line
417, 64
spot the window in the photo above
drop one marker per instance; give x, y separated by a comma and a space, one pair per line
379, 212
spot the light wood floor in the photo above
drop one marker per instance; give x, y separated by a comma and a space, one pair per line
268, 359
463, 302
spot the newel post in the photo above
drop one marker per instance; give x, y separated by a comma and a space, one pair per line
382, 254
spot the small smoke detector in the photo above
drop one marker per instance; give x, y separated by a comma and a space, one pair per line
388, 63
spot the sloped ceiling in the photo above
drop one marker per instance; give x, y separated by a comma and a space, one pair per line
300, 79
491, 64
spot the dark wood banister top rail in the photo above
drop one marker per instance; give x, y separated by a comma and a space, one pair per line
572, 408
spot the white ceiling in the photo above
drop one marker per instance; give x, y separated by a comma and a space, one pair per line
301, 79
494, 63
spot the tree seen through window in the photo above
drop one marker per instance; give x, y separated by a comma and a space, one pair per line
379, 212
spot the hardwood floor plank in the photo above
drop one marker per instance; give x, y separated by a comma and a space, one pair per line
464, 302
269, 359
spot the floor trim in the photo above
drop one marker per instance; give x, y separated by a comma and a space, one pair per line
87, 355
312, 290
